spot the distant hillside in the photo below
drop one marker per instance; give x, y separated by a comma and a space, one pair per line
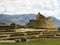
22, 19
18, 19
57, 22
2, 24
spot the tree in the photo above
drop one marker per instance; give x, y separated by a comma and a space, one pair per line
13, 24
59, 28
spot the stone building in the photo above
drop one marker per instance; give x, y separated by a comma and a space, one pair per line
42, 22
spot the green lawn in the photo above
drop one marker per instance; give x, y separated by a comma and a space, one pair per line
41, 41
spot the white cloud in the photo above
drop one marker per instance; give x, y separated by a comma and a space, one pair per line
46, 7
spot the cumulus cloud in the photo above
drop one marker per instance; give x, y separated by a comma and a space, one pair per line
46, 7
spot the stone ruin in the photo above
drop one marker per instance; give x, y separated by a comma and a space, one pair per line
42, 22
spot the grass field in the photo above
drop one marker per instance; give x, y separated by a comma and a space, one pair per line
40, 41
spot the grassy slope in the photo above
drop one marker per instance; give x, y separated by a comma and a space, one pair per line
41, 41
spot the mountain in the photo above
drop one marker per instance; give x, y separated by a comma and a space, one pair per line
57, 22
22, 19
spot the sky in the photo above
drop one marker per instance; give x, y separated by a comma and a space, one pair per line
46, 7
